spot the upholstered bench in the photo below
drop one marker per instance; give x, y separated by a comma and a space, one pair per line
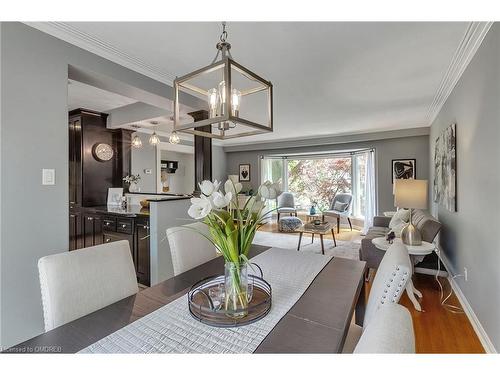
289, 224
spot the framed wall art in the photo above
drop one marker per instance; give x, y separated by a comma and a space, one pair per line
404, 169
244, 174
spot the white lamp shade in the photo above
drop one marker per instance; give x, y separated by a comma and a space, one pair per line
410, 193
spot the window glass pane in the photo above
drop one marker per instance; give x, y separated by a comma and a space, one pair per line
272, 170
318, 180
360, 183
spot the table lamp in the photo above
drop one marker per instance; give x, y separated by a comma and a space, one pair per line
410, 194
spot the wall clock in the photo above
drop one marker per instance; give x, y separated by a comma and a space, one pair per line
103, 152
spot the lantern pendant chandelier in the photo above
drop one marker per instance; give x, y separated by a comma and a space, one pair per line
237, 101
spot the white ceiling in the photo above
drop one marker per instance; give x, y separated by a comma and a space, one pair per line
81, 95
329, 78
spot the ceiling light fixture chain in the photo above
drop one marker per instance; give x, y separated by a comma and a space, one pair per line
223, 36
223, 47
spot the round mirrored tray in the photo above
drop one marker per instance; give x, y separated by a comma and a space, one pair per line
206, 302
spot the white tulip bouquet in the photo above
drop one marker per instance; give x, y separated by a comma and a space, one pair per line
232, 229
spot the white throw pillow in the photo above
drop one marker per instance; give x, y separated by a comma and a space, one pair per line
339, 206
398, 229
400, 217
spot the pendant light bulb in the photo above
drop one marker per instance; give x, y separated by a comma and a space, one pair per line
154, 140
235, 102
136, 142
174, 138
213, 102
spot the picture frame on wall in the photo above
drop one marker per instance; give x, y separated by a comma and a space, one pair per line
244, 173
405, 169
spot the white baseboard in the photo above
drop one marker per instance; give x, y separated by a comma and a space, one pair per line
476, 324
431, 271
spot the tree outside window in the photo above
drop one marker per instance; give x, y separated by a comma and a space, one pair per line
319, 180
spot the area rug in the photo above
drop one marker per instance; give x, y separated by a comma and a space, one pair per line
344, 249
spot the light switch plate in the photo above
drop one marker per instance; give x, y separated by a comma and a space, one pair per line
48, 176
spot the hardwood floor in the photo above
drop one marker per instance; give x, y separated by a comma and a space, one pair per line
437, 330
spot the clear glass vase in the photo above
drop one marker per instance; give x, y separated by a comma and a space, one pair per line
236, 289
134, 188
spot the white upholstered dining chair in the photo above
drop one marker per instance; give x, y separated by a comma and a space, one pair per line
390, 331
388, 285
76, 283
189, 247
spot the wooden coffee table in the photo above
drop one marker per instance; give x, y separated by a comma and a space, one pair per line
320, 232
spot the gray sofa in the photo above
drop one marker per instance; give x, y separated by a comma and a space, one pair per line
426, 224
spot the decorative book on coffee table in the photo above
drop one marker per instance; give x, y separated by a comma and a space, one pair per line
318, 227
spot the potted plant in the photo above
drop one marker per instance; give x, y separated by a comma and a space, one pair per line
132, 181
232, 229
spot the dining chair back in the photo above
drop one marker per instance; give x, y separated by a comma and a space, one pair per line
390, 280
189, 246
390, 331
76, 283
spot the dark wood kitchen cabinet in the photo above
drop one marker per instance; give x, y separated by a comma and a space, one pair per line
75, 230
90, 227
92, 230
90, 177
75, 162
136, 232
142, 251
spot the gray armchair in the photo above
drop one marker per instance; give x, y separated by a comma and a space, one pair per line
286, 205
344, 200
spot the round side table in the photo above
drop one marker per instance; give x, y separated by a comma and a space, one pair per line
417, 253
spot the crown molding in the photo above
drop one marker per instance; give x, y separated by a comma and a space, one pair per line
275, 144
472, 39
91, 43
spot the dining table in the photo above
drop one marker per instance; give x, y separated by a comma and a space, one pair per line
317, 323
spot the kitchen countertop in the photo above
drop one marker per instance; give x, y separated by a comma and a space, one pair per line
130, 211
170, 198
162, 197
135, 210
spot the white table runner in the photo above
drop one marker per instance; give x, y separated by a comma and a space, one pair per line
171, 328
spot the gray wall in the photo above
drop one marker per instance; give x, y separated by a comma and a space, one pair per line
470, 236
34, 218
144, 158
164, 215
411, 147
